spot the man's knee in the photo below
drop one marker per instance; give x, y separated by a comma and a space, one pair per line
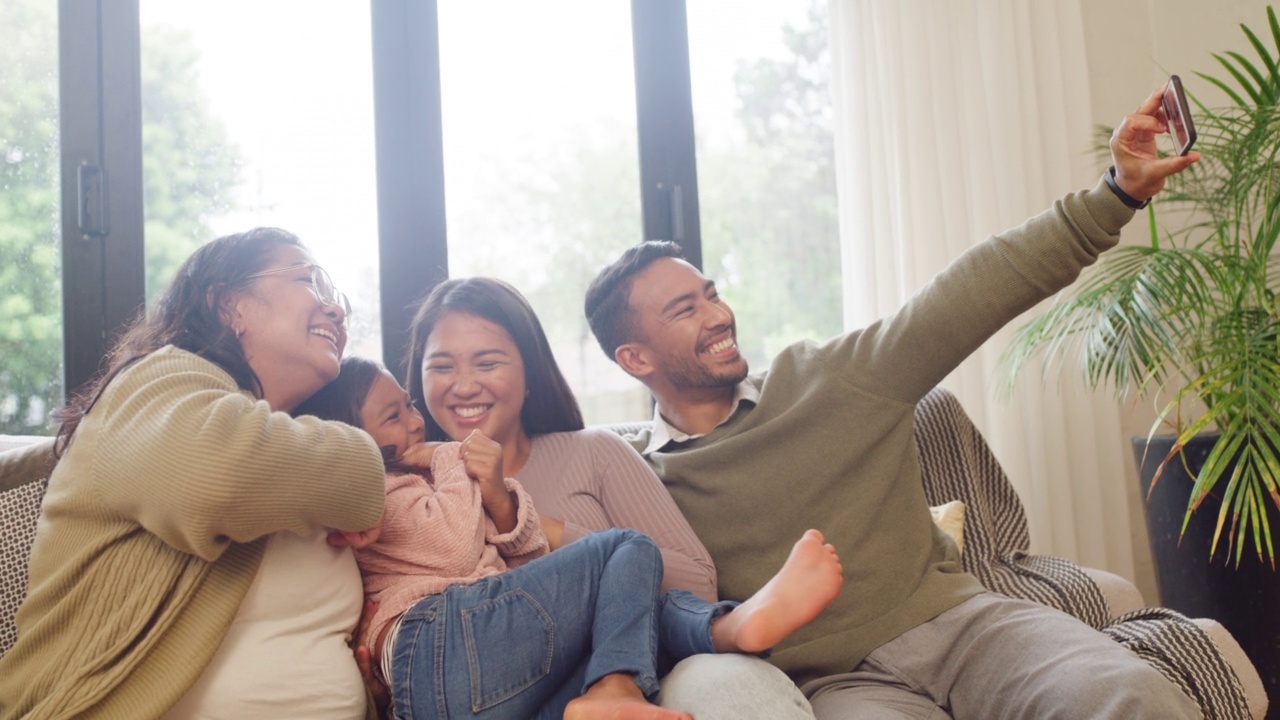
1137, 690
732, 687
868, 694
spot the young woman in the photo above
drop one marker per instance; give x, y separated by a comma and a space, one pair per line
479, 359
476, 620
179, 570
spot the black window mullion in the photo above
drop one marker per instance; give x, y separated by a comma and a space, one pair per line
664, 113
125, 290
412, 238
100, 137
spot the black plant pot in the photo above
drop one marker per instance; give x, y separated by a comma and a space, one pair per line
1245, 599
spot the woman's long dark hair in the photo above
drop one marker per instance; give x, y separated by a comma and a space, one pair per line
550, 405
187, 316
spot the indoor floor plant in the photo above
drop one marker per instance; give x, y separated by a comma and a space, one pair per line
1192, 318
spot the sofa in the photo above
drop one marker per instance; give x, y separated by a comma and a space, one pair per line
974, 502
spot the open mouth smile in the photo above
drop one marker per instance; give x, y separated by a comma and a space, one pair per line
470, 412
325, 333
720, 346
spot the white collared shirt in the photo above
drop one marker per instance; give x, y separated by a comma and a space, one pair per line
664, 432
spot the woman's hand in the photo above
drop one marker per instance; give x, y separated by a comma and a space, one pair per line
365, 660
355, 540
482, 459
554, 530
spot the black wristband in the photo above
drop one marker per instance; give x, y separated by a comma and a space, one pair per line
1126, 198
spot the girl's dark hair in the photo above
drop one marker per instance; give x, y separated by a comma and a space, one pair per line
342, 398
550, 405
187, 315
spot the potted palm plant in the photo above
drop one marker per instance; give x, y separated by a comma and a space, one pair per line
1192, 318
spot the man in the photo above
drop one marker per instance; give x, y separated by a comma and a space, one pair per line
824, 439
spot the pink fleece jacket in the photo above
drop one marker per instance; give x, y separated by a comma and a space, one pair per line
437, 534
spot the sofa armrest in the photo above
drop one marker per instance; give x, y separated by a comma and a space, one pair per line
24, 459
24, 469
1121, 595
1255, 694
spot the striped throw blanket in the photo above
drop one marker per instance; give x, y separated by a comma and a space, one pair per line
957, 464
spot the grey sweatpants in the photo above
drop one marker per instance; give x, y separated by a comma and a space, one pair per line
995, 657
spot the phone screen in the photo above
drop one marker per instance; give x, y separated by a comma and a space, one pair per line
1177, 111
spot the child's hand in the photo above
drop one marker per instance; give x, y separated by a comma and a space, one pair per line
419, 455
482, 459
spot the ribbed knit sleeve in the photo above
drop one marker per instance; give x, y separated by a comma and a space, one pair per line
904, 356
526, 540
152, 531
200, 464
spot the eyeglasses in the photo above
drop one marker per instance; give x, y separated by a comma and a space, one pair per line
321, 283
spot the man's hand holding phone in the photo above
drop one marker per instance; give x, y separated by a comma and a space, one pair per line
1139, 169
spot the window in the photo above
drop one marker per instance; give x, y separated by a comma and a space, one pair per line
564, 131
766, 176
540, 166
268, 122
30, 282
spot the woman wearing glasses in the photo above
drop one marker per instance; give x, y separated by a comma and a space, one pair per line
181, 567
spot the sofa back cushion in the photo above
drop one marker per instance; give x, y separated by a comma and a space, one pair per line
19, 509
25, 462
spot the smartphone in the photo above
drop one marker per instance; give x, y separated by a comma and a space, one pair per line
1177, 111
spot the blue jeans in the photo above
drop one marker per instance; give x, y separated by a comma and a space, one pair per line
524, 643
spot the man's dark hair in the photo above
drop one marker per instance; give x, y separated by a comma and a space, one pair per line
607, 308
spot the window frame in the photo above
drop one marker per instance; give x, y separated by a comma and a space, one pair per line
100, 126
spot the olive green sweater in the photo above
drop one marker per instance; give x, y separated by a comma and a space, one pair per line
831, 446
153, 527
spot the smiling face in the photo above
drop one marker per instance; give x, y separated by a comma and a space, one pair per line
292, 339
388, 415
473, 378
687, 333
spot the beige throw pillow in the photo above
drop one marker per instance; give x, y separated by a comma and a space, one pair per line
950, 518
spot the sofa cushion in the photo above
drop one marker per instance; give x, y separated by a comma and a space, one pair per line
19, 510
949, 517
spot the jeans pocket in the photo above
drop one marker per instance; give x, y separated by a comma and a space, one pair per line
510, 643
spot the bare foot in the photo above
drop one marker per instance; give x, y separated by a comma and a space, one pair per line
808, 581
616, 697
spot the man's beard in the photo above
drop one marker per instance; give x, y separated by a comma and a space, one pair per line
693, 374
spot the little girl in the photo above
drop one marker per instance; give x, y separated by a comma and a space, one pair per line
476, 619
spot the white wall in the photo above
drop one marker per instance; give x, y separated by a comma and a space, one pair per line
1132, 47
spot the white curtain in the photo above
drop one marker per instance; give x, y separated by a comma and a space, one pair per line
956, 119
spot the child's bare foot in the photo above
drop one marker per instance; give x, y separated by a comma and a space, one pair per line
808, 581
616, 697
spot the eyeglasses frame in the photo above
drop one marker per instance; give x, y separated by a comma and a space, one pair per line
337, 297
